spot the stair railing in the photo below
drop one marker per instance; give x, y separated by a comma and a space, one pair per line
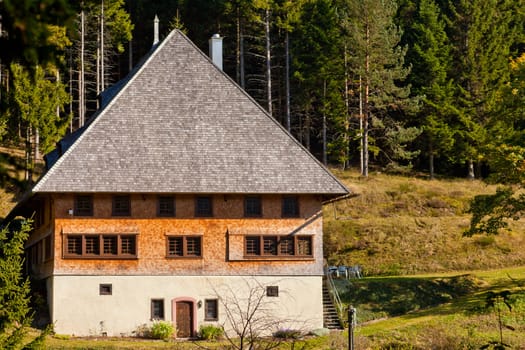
334, 295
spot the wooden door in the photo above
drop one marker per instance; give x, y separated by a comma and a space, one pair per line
184, 319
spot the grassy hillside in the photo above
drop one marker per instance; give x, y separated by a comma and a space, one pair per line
398, 225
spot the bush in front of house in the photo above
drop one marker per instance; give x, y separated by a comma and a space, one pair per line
288, 334
162, 330
210, 332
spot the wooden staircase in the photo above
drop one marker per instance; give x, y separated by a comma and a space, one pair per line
330, 315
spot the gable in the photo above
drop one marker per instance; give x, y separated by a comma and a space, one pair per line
180, 125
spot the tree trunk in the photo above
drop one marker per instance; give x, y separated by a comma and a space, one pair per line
102, 69
325, 157
346, 136
268, 61
287, 79
81, 83
471, 175
431, 163
366, 106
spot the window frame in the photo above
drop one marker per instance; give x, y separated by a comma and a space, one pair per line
255, 247
272, 291
83, 205
159, 302
214, 310
119, 208
253, 209
105, 289
199, 212
185, 239
166, 212
99, 239
287, 209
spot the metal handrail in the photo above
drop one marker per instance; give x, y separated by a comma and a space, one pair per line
335, 295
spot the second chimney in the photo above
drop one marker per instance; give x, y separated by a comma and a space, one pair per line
216, 50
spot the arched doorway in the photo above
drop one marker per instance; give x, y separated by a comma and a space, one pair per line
184, 316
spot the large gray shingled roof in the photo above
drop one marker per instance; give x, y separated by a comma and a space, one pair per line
181, 125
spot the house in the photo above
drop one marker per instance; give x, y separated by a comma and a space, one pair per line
180, 192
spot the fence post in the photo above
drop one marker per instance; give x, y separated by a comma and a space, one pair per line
351, 322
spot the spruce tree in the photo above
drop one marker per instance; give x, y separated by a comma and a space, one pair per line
430, 58
15, 312
377, 59
483, 33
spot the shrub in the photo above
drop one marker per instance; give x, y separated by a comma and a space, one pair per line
162, 330
288, 334
210, 332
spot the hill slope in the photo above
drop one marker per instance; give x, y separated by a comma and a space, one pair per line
404, 225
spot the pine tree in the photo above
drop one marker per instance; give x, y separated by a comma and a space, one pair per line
378, 60
317, 70
15, 312
430, 57
481, 66
38, 98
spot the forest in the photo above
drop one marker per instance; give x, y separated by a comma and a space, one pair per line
435, 86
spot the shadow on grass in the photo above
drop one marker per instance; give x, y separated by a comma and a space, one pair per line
403, 295
417, 296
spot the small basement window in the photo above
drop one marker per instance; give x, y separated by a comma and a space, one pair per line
272, 291
157, 309
105, 289
211, 310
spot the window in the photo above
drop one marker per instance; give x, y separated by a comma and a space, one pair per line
110, 245
272, 291
252, 206
278, 246
184, 247
211, 310
270, 245
74, 245
304, 246
121, 205
92, 245
83, 205
166, 206
286, 246
290, 207
101, 246
157, 309
203, 207
105, 289
253, 245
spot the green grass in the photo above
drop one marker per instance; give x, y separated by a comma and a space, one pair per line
446, 311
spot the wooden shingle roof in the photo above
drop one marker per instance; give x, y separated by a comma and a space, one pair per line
181, 125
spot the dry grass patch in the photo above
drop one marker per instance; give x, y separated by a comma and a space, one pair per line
406, 225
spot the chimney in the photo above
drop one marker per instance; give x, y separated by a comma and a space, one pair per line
216, 50
156, 30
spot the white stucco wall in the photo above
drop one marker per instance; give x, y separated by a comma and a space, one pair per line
77, 308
